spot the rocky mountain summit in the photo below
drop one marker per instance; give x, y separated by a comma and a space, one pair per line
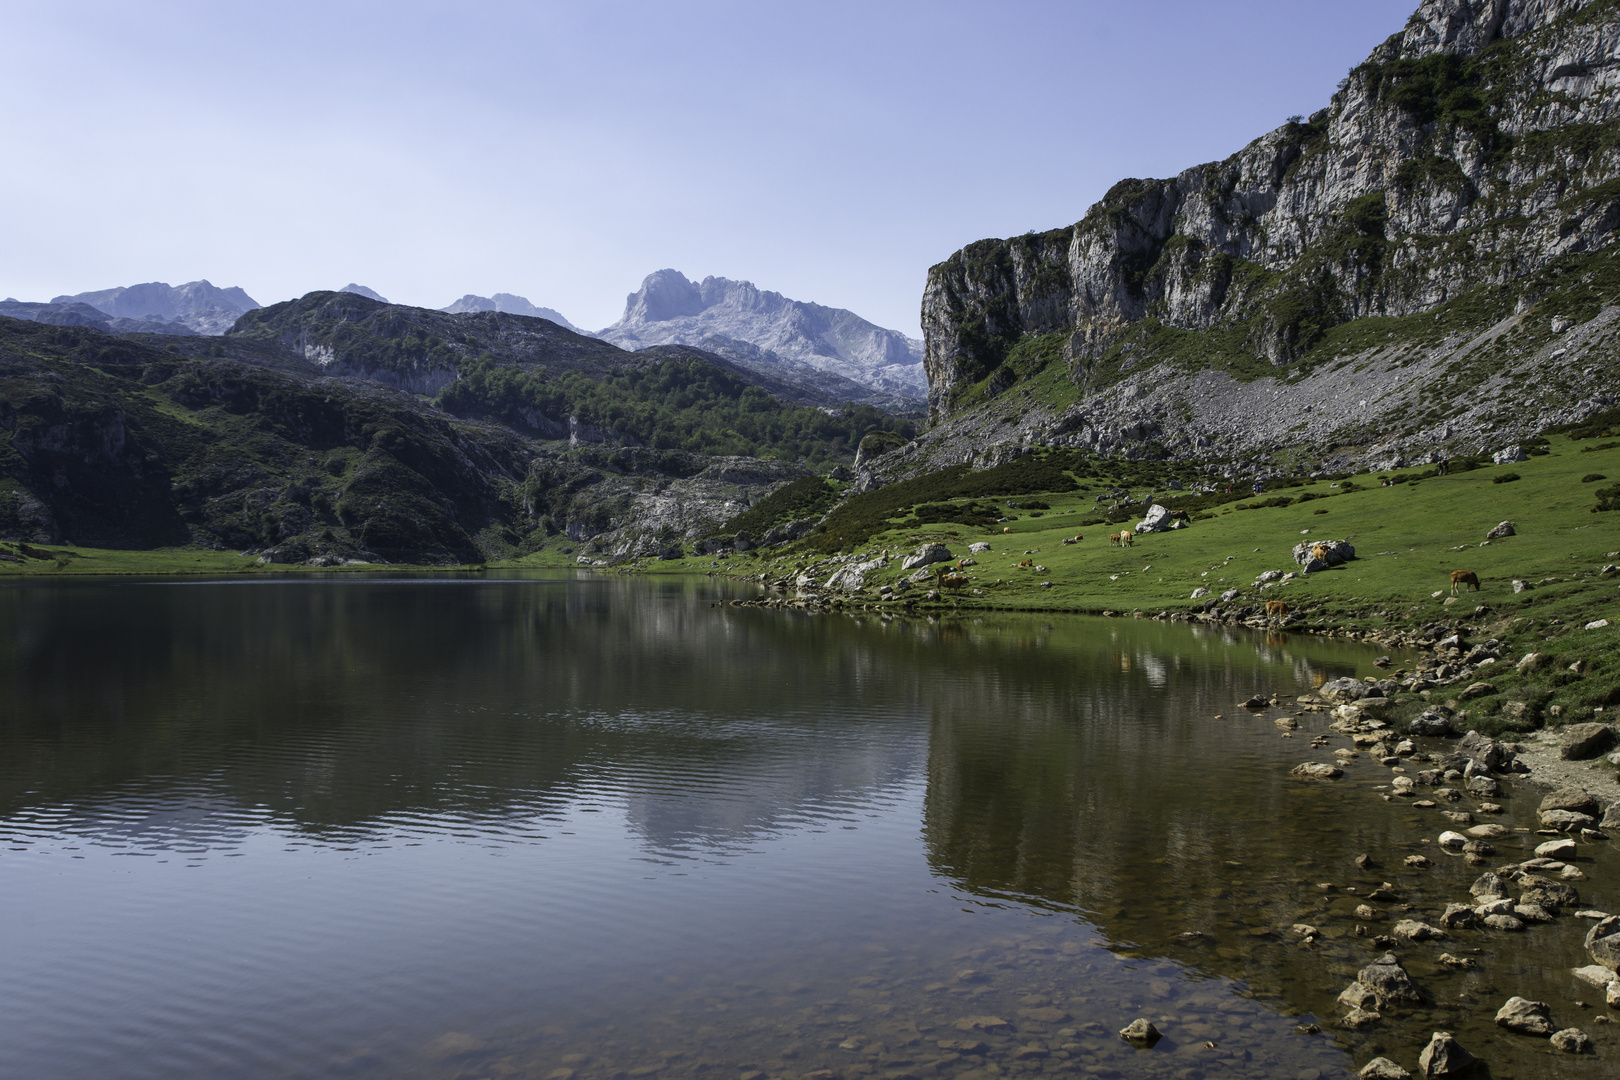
826, 347
1425, 264
512, 304
197, 306
362, 290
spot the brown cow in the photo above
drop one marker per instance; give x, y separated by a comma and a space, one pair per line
1278, 608
1027, 563
1320, 551
953, 582
1463, 577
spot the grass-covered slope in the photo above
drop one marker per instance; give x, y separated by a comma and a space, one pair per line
1409, 537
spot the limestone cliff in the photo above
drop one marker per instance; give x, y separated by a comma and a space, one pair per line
1475, 148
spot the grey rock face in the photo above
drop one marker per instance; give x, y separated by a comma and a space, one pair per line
927, 555
199, 306
1190, 250
1582, 742
717, 312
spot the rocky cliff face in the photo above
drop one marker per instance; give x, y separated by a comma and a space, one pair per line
804, 338
1478, 146
198, 306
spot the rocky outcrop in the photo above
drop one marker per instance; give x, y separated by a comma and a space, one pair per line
1434, 170
719, 314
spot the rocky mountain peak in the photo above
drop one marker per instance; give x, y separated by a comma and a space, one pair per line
510, 304
1467, 27
199, 306
831, 349
361, 290
664, 295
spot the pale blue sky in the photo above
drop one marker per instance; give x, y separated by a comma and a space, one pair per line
829, 151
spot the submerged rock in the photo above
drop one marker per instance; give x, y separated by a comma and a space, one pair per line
1526, 1017
1571, 1041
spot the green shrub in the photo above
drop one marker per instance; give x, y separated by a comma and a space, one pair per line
1593, 477
1505, 478
1607, 498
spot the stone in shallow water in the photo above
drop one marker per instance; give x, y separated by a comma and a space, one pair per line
1526, 1017
1358, 1019
1413, 930
1383, 1069
1595, 975
1445, 1056
1458, 917
1140, 1032
1556, 849
1571, 1041
1389, 982
1502, 922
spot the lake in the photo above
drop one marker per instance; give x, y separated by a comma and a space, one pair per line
505, 826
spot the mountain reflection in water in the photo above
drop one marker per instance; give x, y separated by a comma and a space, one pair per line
477, 827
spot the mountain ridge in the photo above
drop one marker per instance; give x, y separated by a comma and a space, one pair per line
200, 306
669, 308
1471, 157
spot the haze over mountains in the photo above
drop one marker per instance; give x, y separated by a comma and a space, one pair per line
819, 353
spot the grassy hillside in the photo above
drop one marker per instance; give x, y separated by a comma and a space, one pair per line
1408, 538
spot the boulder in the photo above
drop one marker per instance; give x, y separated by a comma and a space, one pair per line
1458, 917
1571, 1041
1611, 816
927, 555
979, 548
1526, 1017
1345, 689
1566, 820
1337, 552
1445, 1057
1556, 849
851, 577
1413, 930
1314, 770
1383, 1069
1431, 724
1509, 456
1503, 922
1550, 894
1488, 752
1140, 1032
1389, 982
1505, 529
1487, 887
1199, 593
1571, 798
1582, 742
1603, 942
1157, 519
1449, 839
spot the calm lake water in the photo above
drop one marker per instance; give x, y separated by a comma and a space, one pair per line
601, 828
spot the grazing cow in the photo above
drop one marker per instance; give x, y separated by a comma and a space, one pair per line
1127, 538
1008, 529
1278, 608
953, 582
1463, 577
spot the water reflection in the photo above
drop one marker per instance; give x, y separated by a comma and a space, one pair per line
471, 829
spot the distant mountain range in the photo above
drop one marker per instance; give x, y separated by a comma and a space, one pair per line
828, 347
510, 304
199, 306
807, 351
